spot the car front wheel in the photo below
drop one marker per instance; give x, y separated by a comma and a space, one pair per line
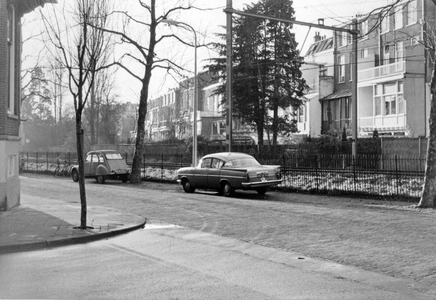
75, 175
187, 187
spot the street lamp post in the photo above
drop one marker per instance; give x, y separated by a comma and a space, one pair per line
194, 134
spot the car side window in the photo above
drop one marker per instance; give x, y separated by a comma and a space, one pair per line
88, 158
100, 158
206, 163
216, 163
229, 164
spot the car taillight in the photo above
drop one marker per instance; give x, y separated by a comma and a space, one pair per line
248, 177
278, 173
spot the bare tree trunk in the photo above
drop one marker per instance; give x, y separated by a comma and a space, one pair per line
82, 191
428, 197
140, 133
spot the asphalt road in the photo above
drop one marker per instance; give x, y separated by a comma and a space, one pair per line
167, 262
384, 237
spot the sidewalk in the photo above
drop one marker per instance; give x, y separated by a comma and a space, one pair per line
39, 223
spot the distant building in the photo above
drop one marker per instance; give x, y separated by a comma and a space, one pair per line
10, 69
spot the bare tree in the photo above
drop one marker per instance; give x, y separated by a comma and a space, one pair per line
147, 57
79, 49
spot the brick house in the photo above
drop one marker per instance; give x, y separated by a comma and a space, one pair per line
11, 12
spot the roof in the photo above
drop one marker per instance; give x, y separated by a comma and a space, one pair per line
337, 95
323, 45
226, 156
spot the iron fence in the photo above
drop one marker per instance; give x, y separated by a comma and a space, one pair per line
363, 175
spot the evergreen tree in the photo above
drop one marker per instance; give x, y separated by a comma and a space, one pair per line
266, 69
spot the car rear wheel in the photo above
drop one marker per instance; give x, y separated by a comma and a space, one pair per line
187, 187
227, 190
124, 178
262, 190
75, 175
101, 179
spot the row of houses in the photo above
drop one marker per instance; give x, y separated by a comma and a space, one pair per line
393, 92
393, 81
171, 115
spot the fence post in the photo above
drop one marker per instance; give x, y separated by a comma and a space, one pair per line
27, 161
46, 160
161, 166
397, 175
316, 173
354, 174
143, 164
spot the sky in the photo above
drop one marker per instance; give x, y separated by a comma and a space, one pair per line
334, 12
207, 23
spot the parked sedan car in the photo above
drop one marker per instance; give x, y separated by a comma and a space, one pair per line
227, 172
102, 165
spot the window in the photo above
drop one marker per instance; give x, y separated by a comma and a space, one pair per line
388, 99
11, 49
398, 17
412, 12
344, 39
387, 55
216, 163
205, 163
390, 105
384, 24
364, 29
341, 63
350, 66
364, 53
399, 51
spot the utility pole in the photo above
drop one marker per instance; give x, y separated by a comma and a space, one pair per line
229, 74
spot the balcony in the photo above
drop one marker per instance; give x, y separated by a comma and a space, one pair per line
383, 122
396, 69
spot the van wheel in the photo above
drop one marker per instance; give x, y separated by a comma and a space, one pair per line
101, 179
75, 175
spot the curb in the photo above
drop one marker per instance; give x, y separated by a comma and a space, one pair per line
5, 249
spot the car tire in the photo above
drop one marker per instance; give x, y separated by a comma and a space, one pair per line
187, 187
101, 179
75, 175
262, 190
124, 178
227, 190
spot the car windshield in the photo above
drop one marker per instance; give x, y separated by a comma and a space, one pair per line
242, 162
113, 156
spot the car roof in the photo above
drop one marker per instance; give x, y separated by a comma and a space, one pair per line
226, 156
103, 151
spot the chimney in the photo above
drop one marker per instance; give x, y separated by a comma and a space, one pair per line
317, 37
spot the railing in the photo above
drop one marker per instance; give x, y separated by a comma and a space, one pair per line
382, 71
365, 175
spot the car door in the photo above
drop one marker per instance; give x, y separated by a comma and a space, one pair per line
200, 176
93, 165
213, 174
87, 164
